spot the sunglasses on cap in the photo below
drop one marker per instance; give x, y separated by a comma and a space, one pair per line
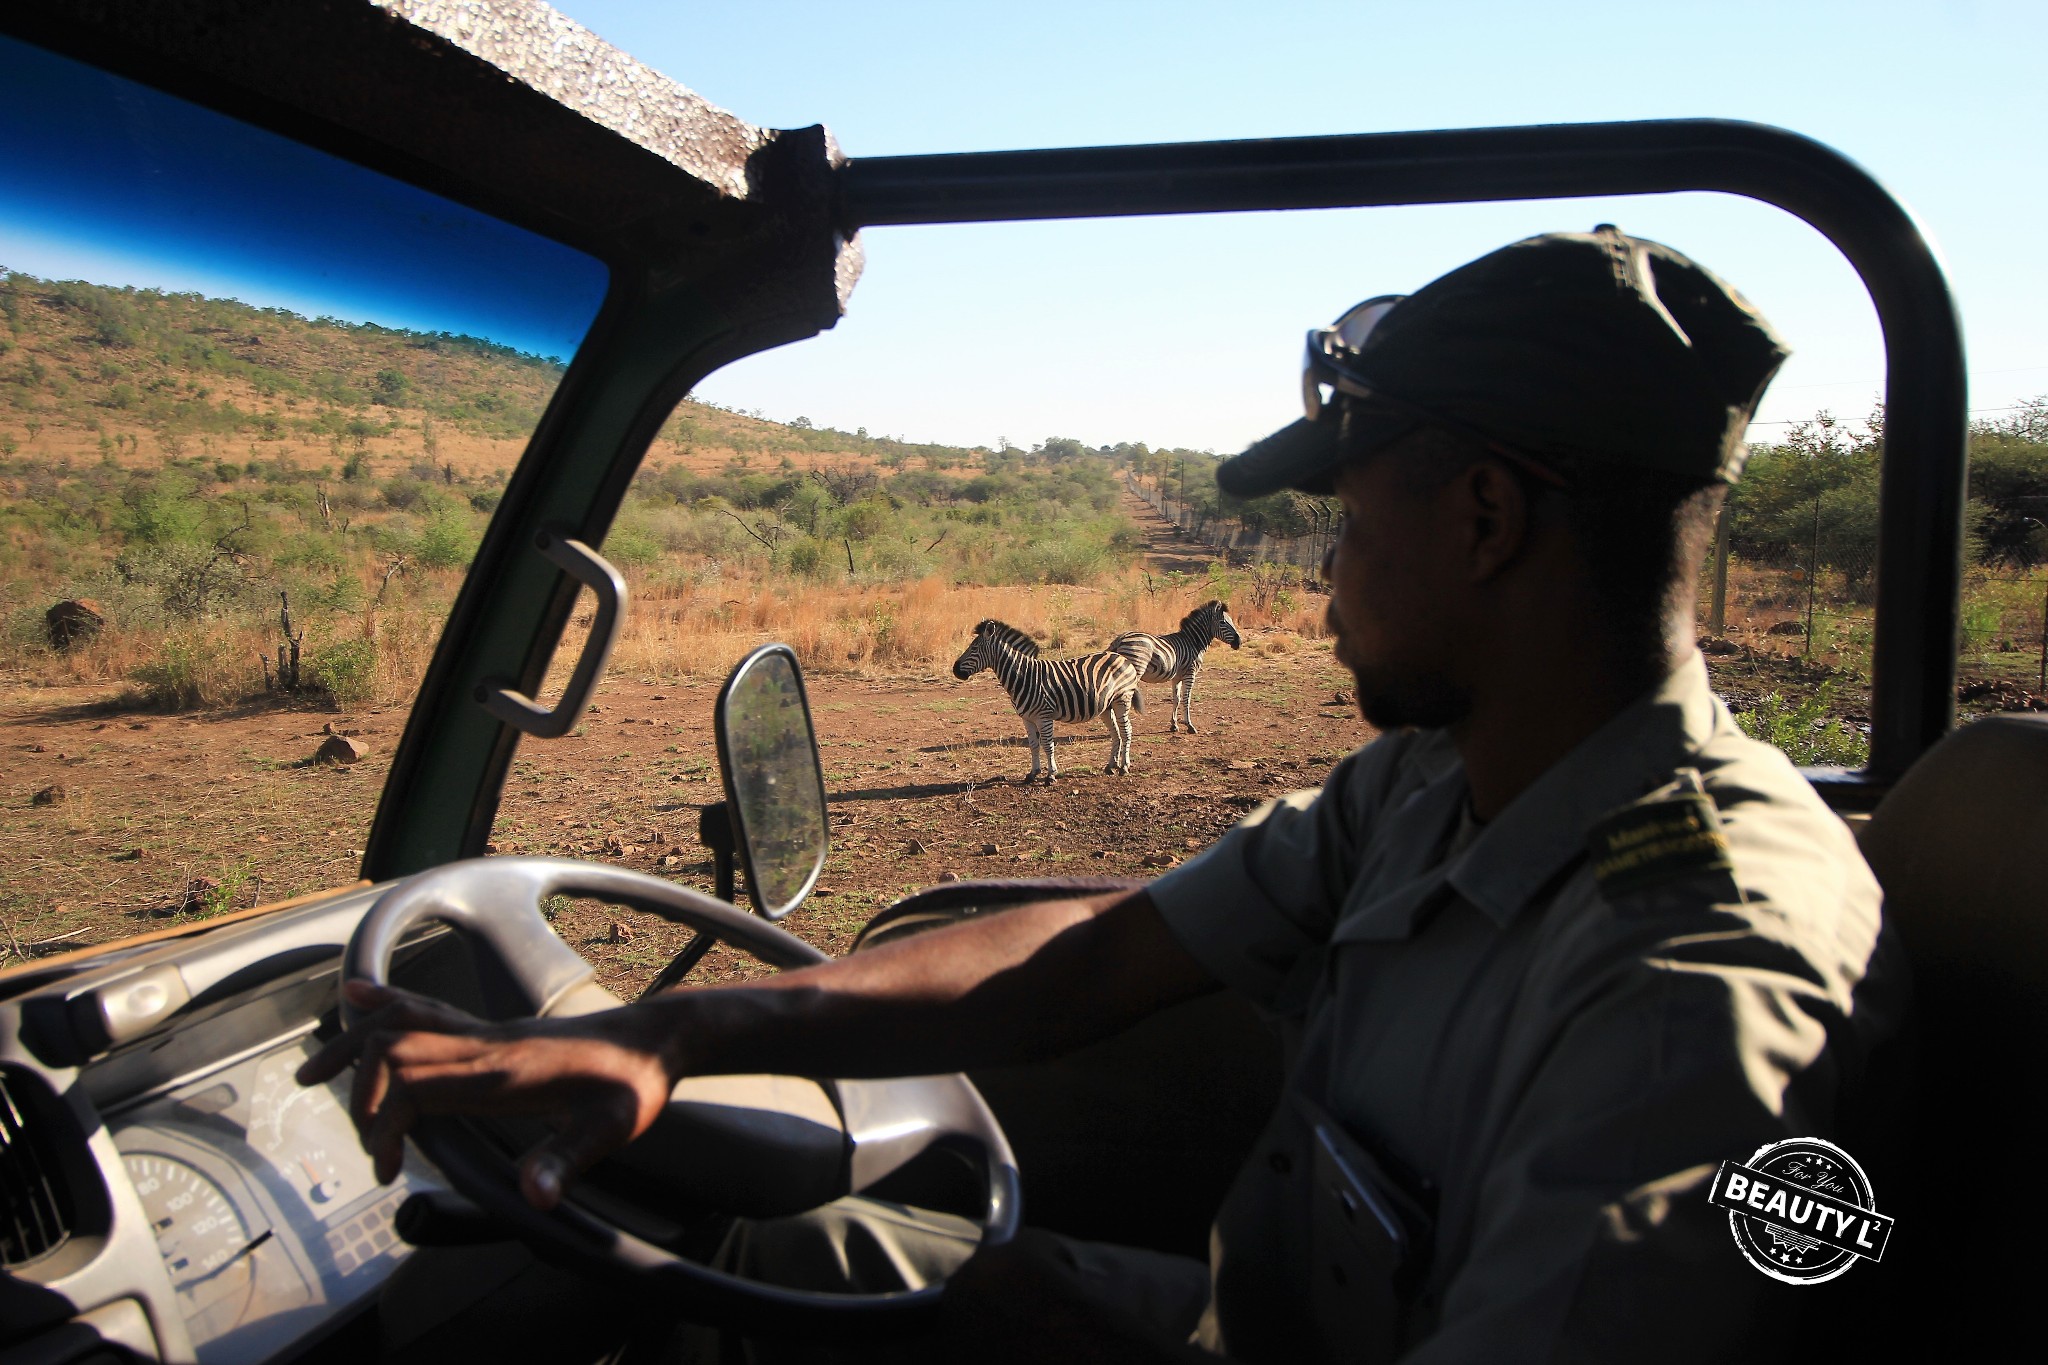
1331, 362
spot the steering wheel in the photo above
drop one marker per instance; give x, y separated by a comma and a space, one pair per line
753, 1146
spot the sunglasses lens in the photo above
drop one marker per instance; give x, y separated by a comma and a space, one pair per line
1355, 326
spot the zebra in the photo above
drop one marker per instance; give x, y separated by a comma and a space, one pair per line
1177, 658
1049, 690
1011, 636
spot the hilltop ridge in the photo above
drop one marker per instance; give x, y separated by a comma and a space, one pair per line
90, 372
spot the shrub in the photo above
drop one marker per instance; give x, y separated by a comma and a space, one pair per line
445, 542
807, 557
1073, 562
346, 670
1807, 734
405, 493
186, 675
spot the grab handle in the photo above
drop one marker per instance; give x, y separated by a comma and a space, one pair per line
591, 569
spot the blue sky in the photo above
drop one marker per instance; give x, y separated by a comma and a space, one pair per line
1187, 331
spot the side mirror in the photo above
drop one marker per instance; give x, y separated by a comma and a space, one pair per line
774, 788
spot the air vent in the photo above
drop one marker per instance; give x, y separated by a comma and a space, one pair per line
35, 1209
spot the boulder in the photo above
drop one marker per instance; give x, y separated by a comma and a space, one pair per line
341, 749
73, 622
52, 795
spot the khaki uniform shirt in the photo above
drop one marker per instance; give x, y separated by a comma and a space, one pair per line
1513, 1070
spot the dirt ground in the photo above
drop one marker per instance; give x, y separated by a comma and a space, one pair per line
922, 775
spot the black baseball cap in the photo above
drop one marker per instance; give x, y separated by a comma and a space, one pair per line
1557, 350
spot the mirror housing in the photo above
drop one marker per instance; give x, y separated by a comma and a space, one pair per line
774, 786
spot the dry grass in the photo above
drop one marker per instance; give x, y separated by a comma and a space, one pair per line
677, 627
701, 629
182, 665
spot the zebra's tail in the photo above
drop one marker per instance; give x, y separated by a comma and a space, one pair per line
1137, 700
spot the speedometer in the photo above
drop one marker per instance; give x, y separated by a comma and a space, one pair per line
205, 1240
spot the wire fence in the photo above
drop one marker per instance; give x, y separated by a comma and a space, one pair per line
1816, 595
1244, 543
1812, 594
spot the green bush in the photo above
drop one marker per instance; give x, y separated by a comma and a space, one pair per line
1808, 735
174, 682
807, 557
346, 670
1059, 561
445, 542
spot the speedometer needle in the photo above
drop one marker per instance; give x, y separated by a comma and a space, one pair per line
222, 1268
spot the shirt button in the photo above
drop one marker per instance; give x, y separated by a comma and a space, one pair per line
1280, 1162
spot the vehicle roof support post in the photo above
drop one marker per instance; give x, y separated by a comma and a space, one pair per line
1926, 401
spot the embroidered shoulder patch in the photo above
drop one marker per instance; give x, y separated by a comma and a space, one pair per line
1653, 842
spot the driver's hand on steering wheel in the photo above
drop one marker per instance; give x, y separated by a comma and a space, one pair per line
590, 1077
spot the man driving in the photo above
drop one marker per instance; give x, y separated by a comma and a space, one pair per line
1553, 946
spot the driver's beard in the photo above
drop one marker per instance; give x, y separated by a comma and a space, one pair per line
1392, 697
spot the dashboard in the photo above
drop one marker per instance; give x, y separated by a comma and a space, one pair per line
261, 1202
202, 1207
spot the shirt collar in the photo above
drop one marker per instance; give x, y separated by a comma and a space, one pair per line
1544, 828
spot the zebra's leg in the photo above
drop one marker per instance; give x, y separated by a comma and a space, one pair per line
1183, 701
1031, 738
1191, 700
1111, 716
1052, 767
1124, 726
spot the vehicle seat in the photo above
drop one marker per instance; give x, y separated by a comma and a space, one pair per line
1961, 848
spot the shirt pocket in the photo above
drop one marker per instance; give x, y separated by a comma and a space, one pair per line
1367, 1244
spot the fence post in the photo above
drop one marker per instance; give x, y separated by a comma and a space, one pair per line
1717, 617
1812, 573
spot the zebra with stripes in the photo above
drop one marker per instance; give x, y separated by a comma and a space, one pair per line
1048, 690
1177, 658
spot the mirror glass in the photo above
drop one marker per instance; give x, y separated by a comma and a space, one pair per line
774, 788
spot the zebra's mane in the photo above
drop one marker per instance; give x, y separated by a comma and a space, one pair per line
1213, 607
1009, 635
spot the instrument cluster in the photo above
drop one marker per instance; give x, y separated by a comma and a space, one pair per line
264, 1207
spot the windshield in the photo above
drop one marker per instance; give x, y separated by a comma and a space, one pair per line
256, 406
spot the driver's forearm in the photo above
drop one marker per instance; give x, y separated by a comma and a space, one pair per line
1021, 985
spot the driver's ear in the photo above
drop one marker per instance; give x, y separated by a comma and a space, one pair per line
1493, 507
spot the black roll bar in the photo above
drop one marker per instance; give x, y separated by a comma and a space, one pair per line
1920, 530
